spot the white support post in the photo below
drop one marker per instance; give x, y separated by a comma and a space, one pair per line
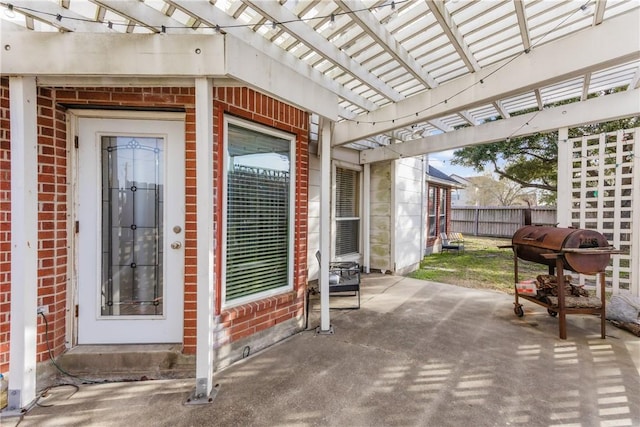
366, 217
325, 224
24, 242
205, 299
563, 215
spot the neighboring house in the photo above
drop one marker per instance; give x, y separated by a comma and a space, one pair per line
463, 195
440, 187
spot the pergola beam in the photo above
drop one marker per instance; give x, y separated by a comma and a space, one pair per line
442, 15
47, 11
525, 73
600, 109
324, 48
385, 40
212, 16
522, 23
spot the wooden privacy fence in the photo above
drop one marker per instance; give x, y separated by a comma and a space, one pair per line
498, 221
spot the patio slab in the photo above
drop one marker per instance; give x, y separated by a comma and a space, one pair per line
417, 353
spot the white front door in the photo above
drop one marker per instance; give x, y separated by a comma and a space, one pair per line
130, 258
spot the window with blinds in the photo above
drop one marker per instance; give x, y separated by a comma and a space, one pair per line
347, 211
432, 202
259, 232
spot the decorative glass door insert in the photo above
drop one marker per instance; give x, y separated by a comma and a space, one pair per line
132, 238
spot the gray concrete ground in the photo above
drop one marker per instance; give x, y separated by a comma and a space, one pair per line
416, 354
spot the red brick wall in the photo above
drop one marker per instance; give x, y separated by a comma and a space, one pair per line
52, 222
5, 225
53, 207
430, 239
245, 320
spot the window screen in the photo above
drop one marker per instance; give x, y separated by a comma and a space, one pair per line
259, 191
347, 212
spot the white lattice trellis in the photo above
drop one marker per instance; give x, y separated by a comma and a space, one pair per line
605, 196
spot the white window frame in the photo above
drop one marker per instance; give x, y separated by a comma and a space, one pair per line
334, 228
292, 201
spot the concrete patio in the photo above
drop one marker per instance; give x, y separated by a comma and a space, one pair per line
416, 354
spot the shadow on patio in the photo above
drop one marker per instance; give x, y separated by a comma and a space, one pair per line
416, 354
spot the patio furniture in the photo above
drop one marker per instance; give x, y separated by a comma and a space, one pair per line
344, 277
453, 242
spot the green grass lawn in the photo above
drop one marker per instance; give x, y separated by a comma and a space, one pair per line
482, 265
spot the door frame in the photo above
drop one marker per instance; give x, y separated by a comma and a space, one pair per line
73, 117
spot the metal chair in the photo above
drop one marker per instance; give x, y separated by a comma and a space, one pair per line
343, 277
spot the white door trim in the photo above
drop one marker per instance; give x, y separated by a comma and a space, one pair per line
175, 121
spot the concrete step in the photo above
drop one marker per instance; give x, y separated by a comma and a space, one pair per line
127, 362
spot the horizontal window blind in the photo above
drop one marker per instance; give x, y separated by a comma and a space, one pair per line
257, 246
347, 216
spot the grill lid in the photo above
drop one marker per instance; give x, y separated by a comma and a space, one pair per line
532, 242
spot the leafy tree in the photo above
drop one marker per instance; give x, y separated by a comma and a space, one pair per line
531, 161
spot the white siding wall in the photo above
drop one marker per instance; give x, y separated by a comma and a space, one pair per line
313, 236
381, 216
408, 219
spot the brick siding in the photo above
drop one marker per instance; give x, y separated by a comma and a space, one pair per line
53, 222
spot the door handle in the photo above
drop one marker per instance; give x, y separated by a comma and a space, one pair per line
176, 245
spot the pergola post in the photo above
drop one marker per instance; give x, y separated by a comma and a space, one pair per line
24, 242
366, 217
205, 299
325, 225
563, 215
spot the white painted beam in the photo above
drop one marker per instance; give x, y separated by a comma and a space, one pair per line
585, 87
598, 15
111, 55
360, 14
442, 15
153, 56
212, 16
439, 124
205, 240
144, 15
46, 11
635, 81
501, 109
24, 242
600, 109
288, 20
467, 117
525, 73
522, 24
253, 67
539, 99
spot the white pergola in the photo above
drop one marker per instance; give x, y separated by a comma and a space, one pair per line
390, 79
